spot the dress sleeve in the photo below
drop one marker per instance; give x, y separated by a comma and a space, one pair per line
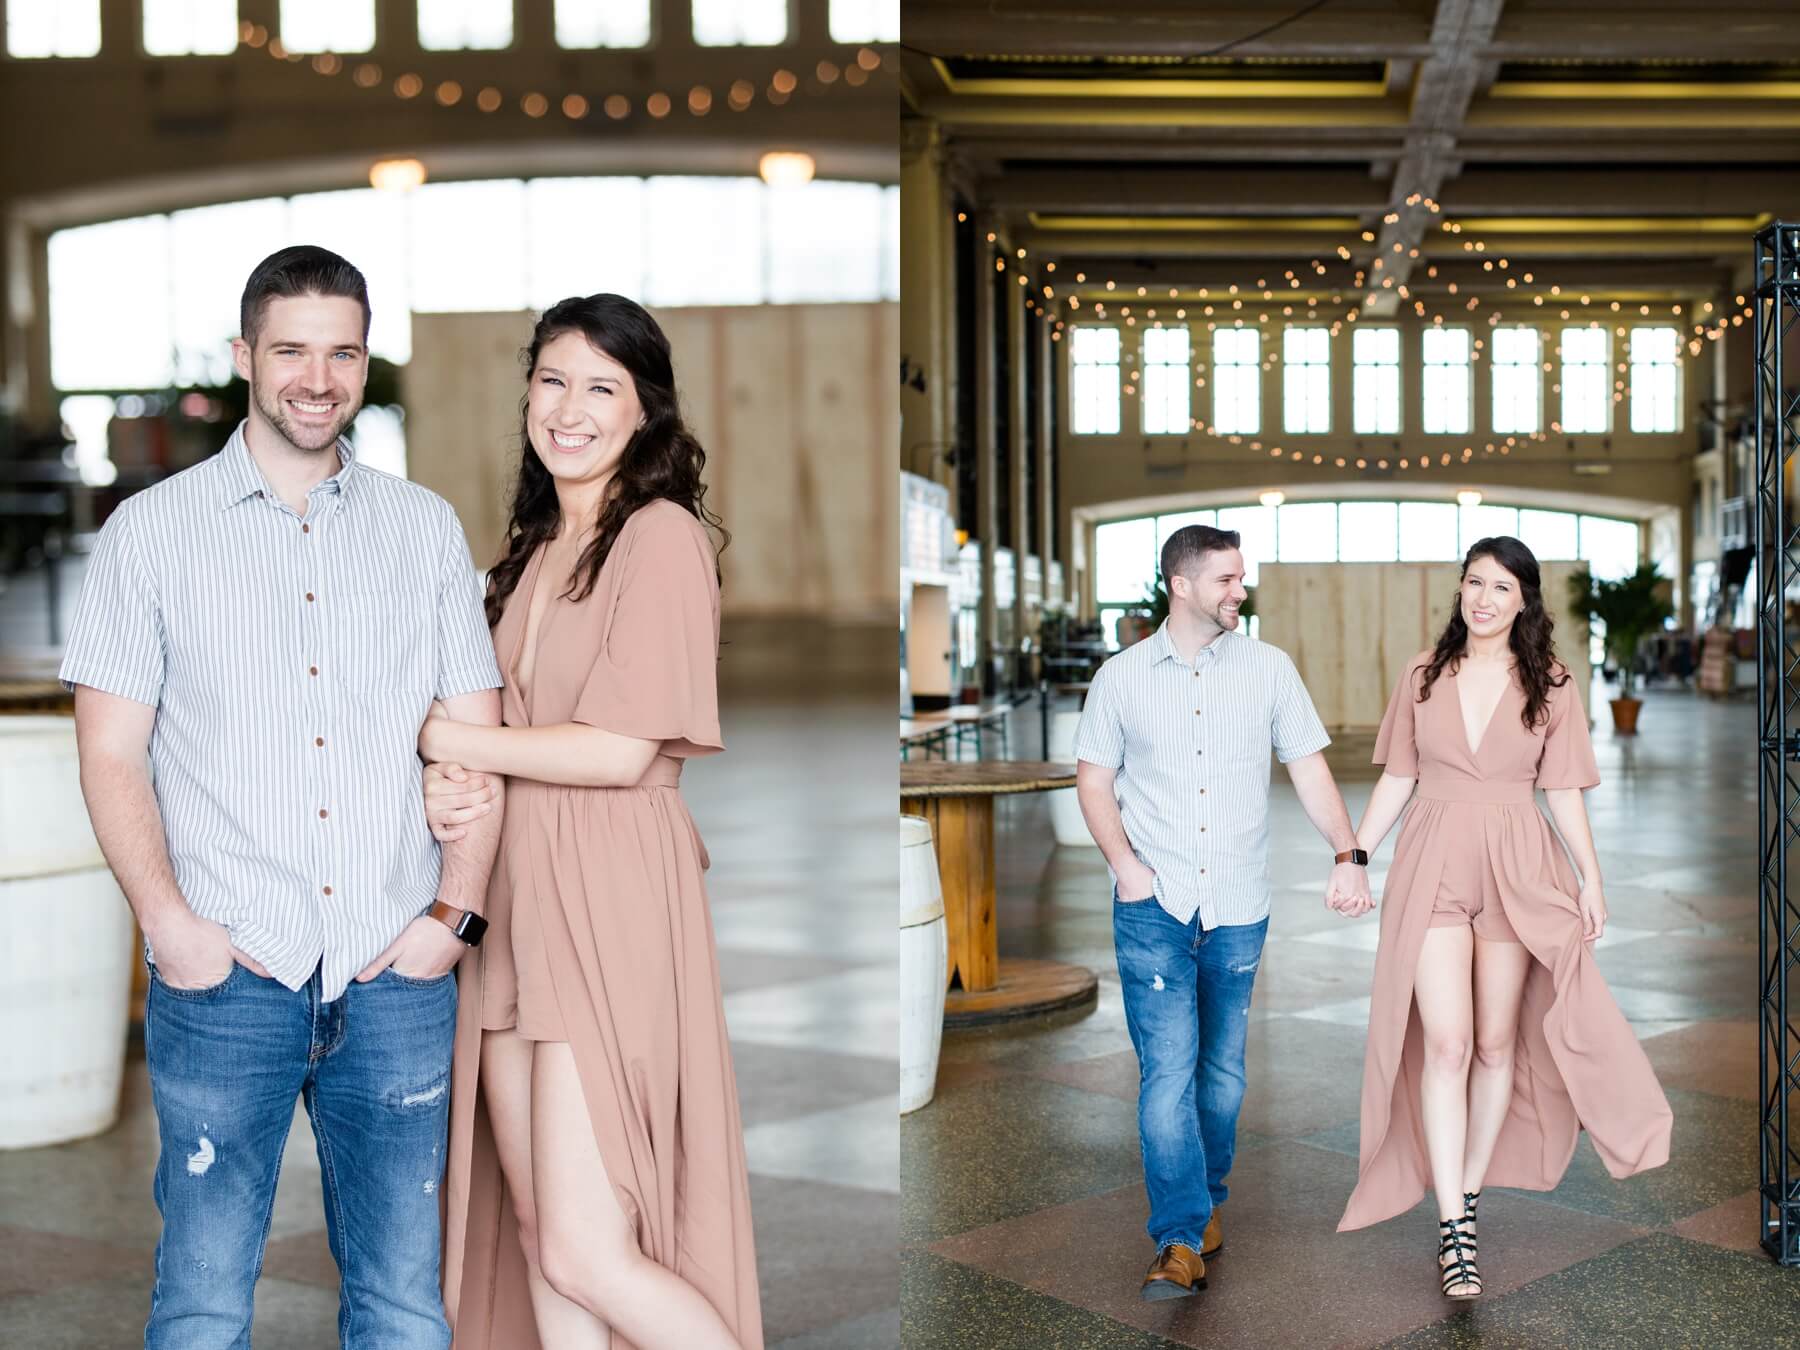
1396, 745
1568, 758
656, 677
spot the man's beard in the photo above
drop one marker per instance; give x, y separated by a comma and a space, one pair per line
313, 438
1218, 617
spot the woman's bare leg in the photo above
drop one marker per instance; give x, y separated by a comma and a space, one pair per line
1443, 990
590, 1254
1500, 970
506, 1088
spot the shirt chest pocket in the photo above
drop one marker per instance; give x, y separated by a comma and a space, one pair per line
380, 640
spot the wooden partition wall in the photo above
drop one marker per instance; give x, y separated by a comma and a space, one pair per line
796, 405
1351, 628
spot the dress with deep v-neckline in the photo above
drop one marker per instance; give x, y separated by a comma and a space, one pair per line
601, 937
1577, 1064
1506, 691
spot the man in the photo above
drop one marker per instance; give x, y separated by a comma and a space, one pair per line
270, 628
1173, 780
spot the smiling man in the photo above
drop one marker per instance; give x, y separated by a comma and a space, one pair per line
1173, 780
258, 642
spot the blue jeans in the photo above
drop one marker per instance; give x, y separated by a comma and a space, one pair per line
226, 1065
1187, 1006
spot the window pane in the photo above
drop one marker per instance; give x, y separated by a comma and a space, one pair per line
65, 28
458, 25
1237, 381
1518, 380
740, 23
1375, 381
1484, 522
369, 229
1256, 527
1368, 532
824, 242
1308, 532
1586, 385
1167, 525
213, 250
1094, 390
1445, 381
468, 246
706, 241
188, 27
1167, 380
121, 270
1124, 560
1550, 535
1609, 547
586, 236
328, 25
1306, 381
1655, 380
602, 23
1428, 532
865, 20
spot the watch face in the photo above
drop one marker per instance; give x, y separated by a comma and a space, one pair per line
472, 928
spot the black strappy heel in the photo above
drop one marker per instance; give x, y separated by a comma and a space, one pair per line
1460, 1269
1469, 1199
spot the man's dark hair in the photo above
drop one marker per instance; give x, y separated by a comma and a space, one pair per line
304, 269
1184, 550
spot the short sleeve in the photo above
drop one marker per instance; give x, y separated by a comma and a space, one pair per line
465, 648
1396, 745
1568, 758
657, 676
1100, 736
117, 642
1295, 729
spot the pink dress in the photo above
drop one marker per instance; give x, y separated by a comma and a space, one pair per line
1474, 827
601, 937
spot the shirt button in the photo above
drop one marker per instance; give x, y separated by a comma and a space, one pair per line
309, 596
318, 740
312, 670
322, 813
328, 889
305, 528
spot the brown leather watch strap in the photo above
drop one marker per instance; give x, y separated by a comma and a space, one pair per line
448, 915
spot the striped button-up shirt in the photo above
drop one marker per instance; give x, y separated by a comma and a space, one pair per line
1191, 745
291, 661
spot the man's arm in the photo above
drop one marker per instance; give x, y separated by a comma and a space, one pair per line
1100, 808
469, 859
112, 736
1324, 806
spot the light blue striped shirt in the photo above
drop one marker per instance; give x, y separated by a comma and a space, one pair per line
1191, 745
291, 661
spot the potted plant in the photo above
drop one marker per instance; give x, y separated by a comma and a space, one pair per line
1625, 610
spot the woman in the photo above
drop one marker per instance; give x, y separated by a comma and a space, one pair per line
599, 1190
1486, 933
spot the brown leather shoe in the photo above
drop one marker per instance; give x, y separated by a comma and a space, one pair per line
1177, 1272
1212, 1241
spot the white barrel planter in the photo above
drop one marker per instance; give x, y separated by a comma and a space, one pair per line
65, 964
924, 961
1065, 811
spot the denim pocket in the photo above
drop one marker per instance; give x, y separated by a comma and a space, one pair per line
1120, 900
208, 992
419, 982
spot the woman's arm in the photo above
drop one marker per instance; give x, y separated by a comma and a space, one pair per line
1386, 803
569, 753
1570, 814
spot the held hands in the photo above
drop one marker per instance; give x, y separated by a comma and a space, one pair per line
1347, 890
454, 796
424, 950
1592, 904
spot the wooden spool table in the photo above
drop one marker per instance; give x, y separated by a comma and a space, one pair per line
957, 797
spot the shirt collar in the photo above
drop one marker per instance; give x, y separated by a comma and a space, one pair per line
1162, 648
240, 478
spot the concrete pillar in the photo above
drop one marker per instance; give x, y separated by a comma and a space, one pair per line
1018, 411
987, 491
1044, 353
927, 286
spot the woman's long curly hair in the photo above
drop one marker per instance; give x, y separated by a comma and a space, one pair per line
662, 461
1534, 654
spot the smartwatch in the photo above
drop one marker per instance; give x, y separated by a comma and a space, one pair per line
469, 927
1355, 855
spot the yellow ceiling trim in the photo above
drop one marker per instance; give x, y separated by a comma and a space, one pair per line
1639, 90
1196, 224
1485, 226
1049, 87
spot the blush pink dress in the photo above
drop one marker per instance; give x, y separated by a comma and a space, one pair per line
601, 937
1474, 821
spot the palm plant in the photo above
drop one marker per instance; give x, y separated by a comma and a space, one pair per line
1625, 610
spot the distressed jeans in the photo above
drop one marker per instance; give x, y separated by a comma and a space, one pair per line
1187, 1006
226, 1066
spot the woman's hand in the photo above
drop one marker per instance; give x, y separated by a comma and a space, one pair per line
1592, 904
453, 797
